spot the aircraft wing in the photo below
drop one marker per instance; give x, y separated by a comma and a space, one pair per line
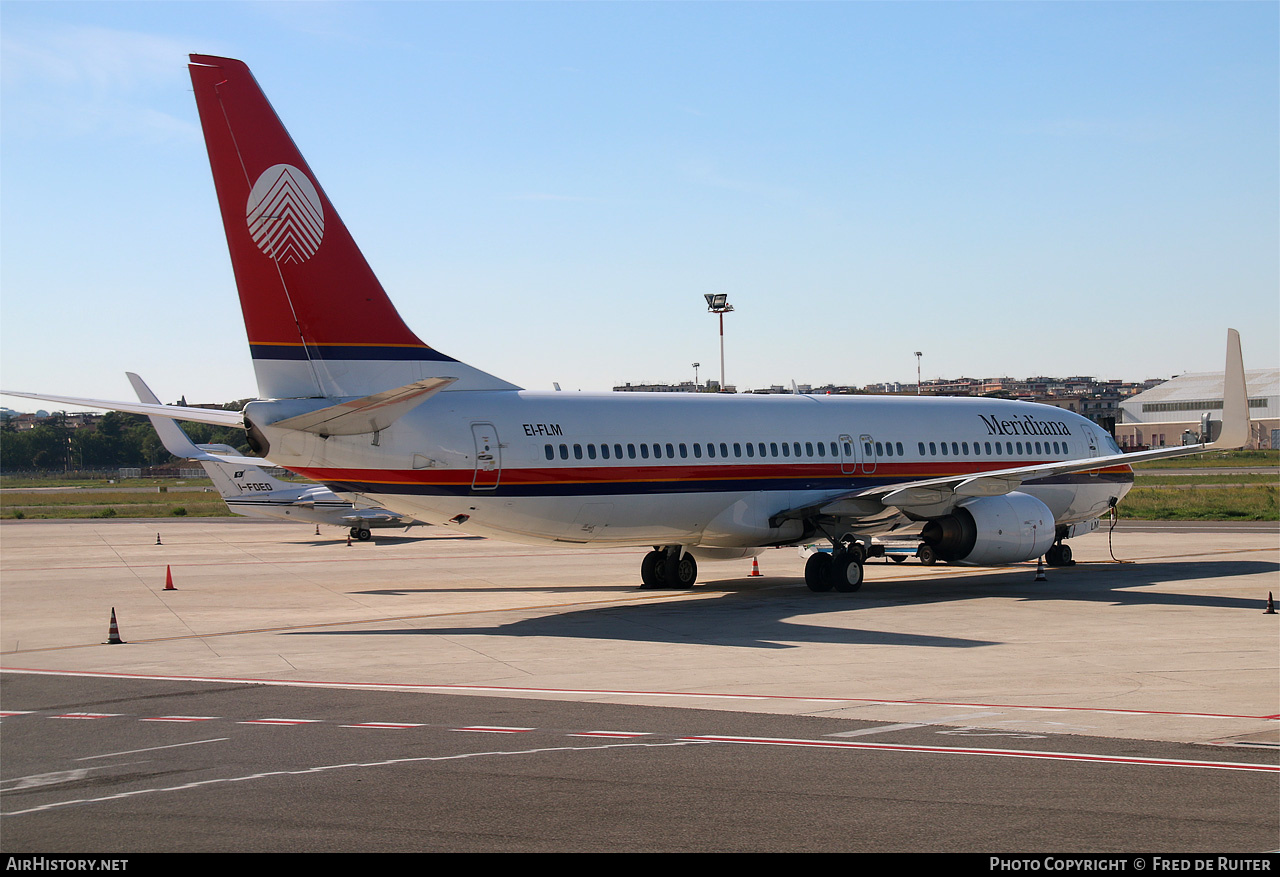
372, 516
199, 415
937, 496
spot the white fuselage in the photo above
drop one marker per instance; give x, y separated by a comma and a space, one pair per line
682, 469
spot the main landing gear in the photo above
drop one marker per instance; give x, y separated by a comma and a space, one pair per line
669, 567
840, 569
361, 533
1059, 554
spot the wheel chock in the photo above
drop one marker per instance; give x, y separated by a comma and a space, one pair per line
113, 633
168, 579
1040, 570
755, 567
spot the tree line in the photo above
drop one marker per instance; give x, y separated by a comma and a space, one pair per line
118, 440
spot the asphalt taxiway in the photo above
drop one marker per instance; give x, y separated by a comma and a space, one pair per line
282, 665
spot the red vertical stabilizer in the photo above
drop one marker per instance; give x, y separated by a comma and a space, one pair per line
318, 321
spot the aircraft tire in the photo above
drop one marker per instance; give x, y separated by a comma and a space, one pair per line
679, 572
364, 535
927, 555
1059, 555
652, 570
845, 572
815, 572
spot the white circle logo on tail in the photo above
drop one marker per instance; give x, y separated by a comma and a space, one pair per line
284, 214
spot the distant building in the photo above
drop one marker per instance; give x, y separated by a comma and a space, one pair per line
1162, 415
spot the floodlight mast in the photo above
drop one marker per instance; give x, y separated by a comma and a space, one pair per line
718, 303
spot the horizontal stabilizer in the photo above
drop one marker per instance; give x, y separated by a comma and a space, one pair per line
215, 416
176, 441
368, 414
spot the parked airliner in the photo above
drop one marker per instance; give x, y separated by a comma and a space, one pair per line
352, 398
248, 490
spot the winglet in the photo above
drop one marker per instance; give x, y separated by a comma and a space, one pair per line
1235, 399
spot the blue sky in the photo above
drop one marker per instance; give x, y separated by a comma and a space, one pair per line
548, 189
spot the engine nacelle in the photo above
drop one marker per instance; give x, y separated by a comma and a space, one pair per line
992, 530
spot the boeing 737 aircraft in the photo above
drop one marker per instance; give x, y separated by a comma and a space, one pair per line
355, 400
249, 491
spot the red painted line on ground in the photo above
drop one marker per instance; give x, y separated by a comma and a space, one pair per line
1001, 753
596, 692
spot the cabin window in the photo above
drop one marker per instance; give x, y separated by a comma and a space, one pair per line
899, 446
724, 449
933, 449
964, 448
737, 449
786, 450
617, 451
808, 449
1008, 448
711, 449
879, 449
760, 447
671, 450
564, 452
751, 449
773, 449
944, 448
591, 452
657, 451
822, 449
988, 447
631, 451
551, 454
604, 451
921, 444
684, 451
1019, 445
644, 451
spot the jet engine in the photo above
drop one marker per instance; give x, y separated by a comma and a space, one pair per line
992, 530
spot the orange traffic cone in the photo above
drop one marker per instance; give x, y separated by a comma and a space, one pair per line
1271, 605
1040, 570
158, 539
755, 567
113, 633
168, 580
348, 538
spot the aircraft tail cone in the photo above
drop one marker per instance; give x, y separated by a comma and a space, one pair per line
113, 633
168, 579
1040, 570
755, 567
1271, 605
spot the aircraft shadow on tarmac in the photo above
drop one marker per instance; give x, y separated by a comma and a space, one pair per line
764, 613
